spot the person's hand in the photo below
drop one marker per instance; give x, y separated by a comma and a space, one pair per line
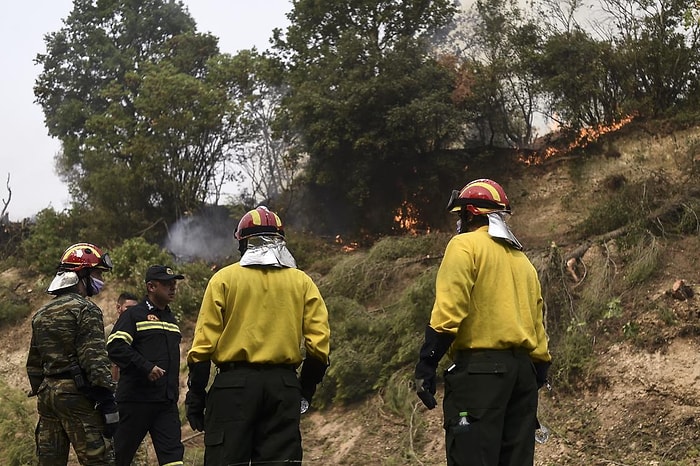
541, 371
312, 372
156, 373
426, 385
110, 414
195, 404
196, 398
433, 349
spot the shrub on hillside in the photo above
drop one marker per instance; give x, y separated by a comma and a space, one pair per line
13, 308
191, 289
133, 257
16, 427
50, 235
371, 341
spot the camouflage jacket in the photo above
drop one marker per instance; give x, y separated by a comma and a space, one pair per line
67, 332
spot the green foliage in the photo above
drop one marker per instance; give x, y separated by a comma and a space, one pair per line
369, 346
573, 353
13, 307
626, 207
50, 235
191, 289
16, 427
312, 253
578, 72
630, 330
145, 109
374, 129
643, 262
133, 257
614, 309
365, 275
354, 359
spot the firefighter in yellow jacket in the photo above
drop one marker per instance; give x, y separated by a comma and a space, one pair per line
255, 316
488, 315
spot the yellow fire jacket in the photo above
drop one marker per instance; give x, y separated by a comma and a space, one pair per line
488, 295
260, 315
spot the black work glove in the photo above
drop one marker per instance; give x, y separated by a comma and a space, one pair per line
434, 348
312, 372
110, 414
541, 370
195, 405
196, 398
105, 404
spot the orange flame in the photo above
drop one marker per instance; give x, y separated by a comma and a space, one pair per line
406, 217
346, 247
585, 137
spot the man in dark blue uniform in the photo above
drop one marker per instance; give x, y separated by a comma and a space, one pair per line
145, 344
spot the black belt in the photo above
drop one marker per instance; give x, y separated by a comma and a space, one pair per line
462, 354
229, 366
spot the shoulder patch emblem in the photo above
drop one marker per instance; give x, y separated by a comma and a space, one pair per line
152, 317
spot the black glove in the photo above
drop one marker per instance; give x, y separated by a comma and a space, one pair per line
434, 348
110, 413
195, 400
195, 405
105, 404
541, 370
312, 372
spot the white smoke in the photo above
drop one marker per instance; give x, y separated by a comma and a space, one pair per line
207, 236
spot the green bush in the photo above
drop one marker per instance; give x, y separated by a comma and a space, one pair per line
627, 206
643, 262
133, 257
190, 290
396, 247
312, 254
50, 235
16, 427
368, 347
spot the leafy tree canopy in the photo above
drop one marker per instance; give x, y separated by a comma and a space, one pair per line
369, 103
142, 105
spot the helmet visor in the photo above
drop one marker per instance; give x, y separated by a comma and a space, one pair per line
105, 262
452, 204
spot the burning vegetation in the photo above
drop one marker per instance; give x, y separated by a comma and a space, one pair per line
584, 137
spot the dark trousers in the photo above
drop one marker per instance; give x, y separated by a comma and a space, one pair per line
252, 417
498, 391
160, 419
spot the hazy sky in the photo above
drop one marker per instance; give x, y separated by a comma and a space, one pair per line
26, 150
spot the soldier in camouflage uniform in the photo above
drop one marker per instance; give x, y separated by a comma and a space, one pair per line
68, 367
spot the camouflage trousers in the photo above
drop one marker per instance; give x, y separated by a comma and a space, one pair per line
67, 417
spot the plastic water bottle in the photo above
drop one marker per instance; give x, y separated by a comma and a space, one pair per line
541, 434
463, 420
304, 405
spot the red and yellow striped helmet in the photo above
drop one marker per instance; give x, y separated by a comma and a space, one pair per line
480, 197
257, 222
84, 256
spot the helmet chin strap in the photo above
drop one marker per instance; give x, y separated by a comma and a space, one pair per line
466, 221
242, 246
87, 283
